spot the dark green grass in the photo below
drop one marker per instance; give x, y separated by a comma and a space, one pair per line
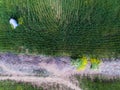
73, 27
12, 85
99, 84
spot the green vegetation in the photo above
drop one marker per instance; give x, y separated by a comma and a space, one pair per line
95, 63
74, 27
81, 63
12, 85
99, 84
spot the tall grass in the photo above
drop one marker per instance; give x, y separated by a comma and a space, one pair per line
57, 26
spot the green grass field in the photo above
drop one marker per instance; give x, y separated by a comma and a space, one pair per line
12, 85
98, 84
70, 27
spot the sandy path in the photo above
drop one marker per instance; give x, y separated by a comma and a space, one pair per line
39, 80
61, 77
9, 71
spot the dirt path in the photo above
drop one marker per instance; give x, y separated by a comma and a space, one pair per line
9, 71
59, 70
60, 77
39, 80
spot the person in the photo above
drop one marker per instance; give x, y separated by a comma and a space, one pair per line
13, 22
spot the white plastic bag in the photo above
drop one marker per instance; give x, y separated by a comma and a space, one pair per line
13, 22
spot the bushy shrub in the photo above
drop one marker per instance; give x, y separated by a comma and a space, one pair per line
80, 63
95, 63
